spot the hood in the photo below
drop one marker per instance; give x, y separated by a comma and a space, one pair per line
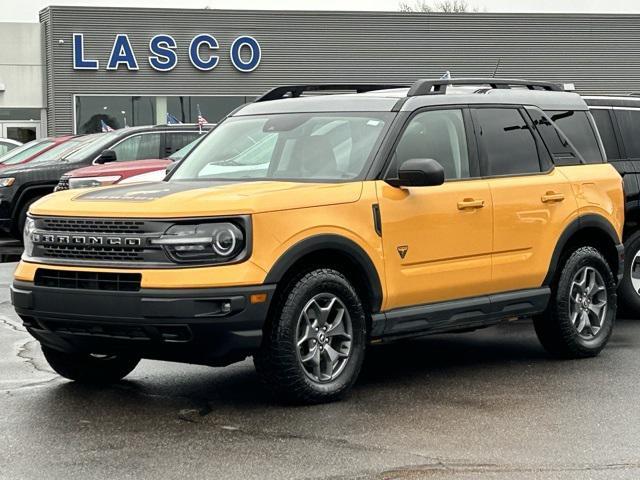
29, 167
124, 169
195, 199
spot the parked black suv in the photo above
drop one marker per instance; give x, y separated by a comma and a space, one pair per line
34, 180
618, 121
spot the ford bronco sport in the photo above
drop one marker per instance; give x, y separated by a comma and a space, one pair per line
304, 229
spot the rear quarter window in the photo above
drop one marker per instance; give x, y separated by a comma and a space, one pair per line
578, 129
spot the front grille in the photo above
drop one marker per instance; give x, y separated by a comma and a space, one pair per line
105, 281
63, 184
108, 254
99, 241
90, 225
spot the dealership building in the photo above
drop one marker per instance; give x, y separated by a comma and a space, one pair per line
81, 66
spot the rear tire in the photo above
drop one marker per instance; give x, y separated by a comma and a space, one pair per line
630, 293
582, 310
314, 345
87, 368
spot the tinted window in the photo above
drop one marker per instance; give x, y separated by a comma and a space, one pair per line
576, 126
440, 135
506, 141
174, 141
607, 133
629, 122
138, 147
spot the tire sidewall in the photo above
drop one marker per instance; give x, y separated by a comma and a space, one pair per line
336, 284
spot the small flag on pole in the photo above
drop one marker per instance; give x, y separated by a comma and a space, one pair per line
171, 120
201, 120
446, 76
105, 128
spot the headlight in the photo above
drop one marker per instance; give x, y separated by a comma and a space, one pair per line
86, 182
27, 240
7, 181
214, 242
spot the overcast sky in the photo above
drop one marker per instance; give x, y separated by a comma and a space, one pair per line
27, 10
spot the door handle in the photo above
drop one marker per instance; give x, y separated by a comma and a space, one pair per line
469, 203
552, 197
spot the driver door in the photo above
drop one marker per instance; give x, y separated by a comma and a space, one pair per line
437, 240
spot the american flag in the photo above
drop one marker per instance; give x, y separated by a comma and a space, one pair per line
201, 120
104, 127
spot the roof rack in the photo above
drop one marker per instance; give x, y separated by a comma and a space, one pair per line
439, 86
294, 91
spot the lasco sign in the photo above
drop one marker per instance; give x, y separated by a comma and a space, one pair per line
245, 53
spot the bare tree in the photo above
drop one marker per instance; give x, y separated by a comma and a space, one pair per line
446, 6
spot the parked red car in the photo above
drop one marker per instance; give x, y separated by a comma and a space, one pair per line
31, 150
122, 172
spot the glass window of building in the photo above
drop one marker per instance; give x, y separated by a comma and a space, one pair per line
115, 112
213, 109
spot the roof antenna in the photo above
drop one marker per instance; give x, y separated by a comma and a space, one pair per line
495, 70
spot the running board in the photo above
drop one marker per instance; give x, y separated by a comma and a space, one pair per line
454, 315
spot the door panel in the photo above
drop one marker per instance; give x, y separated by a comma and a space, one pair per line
448, 246
530, 214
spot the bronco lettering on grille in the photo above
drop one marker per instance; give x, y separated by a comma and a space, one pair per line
113, 241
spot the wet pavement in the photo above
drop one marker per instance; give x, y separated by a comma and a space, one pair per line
488, 405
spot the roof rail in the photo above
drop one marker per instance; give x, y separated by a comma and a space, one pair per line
296, 90
439, 86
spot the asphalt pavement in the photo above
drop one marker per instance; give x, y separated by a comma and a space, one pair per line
487, 405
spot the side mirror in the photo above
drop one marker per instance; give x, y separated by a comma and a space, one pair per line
170, 168
107, 156
419, 172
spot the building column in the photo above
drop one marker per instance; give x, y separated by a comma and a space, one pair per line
161, 110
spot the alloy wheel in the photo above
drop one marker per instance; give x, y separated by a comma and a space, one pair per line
588, 305
324, 337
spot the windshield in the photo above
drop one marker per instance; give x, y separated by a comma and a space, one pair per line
99, 142
57, 152
20, 154
291, 146
180, 154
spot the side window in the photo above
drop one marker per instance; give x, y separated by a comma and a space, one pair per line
139, 147
440, 135
174, 141
506, 142
603, 121
4, 148
629, 122
576, 126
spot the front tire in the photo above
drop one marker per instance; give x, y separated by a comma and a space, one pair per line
582, 310
89, 368
314, 345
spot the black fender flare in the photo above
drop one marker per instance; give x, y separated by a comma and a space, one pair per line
318, 243
580, 223
25, 192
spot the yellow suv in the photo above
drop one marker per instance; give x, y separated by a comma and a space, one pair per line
307, 227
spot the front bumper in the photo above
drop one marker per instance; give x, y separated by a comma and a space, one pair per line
212, 326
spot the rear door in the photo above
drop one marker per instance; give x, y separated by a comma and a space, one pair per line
532, 200
607, 123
